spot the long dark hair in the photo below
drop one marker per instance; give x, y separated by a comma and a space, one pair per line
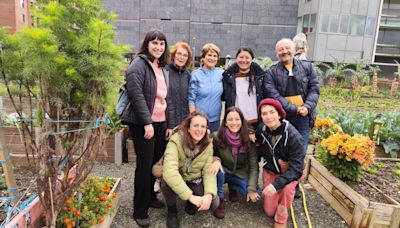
153, 35
187, 139
243, 133
251, 79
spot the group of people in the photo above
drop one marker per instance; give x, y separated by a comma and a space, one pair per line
174, 117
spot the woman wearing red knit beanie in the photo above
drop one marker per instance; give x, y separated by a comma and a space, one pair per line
281, 147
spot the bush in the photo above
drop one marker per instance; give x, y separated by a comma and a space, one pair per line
345, 156
323, 128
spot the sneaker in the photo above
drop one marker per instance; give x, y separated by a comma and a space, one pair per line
190, 208
157, 186
233, 194
172, 218
145, 222
220, 211
156, 203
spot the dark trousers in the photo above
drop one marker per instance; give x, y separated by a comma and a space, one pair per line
198, 190
148, 152
302, 125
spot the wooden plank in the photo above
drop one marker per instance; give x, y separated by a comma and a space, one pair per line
342, 211
388, 198
340, 197
340, 185
395, 221
383, 212
367, 219
307, 166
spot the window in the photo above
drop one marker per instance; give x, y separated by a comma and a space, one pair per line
324, 22
22, 3
333, 23
344, 24
299, 24
23, 18
308, 23
370, 26
357, 25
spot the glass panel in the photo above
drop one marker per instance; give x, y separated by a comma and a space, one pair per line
357, 25
299, 24
370, 26
324, 22
306, 23
312, 22
333, 23
344, 24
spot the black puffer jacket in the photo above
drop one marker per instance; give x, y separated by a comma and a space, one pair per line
275, 82
289, 148
141, 85
178, 104
229, 83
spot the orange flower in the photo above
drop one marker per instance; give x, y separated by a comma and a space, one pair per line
65, 208
66, 221
69, 201
100, 219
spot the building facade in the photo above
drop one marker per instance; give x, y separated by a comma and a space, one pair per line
15, 13
257, 24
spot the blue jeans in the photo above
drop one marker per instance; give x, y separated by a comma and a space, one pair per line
213, 126
239, 184
302, 124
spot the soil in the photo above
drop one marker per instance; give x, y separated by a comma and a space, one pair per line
386, 180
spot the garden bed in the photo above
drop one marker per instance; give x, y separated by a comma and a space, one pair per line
34, 210
354, 208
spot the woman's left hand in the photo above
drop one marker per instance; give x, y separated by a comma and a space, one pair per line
253, 196
252, 137
205, 205
215, 167
269, 190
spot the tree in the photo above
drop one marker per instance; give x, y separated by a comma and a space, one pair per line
67, 64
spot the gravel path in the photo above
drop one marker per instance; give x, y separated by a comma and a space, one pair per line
240, 214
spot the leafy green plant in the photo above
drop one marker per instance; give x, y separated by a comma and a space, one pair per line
264, 62
398, 164
360, 75
380, 165
372, 170
336, 72
397, 172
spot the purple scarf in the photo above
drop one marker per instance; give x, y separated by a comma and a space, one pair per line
234, 141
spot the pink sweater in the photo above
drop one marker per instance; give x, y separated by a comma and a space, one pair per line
160, 104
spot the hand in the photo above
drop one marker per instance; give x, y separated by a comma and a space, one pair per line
148, 131
253, 196
252, 137
284, 165
303, 111
215, 167
192, 109
168, 133
196, 200
269, 190
205, 205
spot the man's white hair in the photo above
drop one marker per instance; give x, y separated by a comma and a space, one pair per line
285, 40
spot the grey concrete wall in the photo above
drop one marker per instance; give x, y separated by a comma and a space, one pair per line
257, 24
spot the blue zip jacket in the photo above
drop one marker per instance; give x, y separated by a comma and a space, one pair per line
205, 90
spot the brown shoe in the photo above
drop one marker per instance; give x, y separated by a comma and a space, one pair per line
233, 194
220, 211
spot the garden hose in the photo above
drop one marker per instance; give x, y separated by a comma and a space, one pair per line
305, 209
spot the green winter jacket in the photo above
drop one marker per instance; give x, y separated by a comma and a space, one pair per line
241, 165
176, 174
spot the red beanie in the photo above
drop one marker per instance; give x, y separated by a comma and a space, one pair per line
273, 102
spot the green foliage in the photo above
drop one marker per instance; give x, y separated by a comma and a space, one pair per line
340, 168
361, 71
264, 62
398, 164
354, 122
397, 172
371, 170
337, 69
380, 165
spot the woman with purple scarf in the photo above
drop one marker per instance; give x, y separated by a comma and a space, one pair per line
235, 160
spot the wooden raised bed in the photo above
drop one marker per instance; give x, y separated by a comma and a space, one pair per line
355, 209
35, 209
112, 150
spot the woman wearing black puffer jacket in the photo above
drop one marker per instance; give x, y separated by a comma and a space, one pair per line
147, 88
179, 77
243, 87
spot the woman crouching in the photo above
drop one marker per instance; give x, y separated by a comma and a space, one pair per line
187, 160
281, 146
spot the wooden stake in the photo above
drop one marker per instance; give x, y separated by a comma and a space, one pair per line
7, 166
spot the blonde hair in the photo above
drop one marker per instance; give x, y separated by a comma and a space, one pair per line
209, 47
185, 46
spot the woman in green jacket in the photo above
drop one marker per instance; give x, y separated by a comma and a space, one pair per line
187, 160
236, 160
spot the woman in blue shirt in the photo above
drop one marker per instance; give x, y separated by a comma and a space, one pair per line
205, 88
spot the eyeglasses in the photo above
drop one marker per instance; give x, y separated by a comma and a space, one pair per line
181, 54
198, 126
